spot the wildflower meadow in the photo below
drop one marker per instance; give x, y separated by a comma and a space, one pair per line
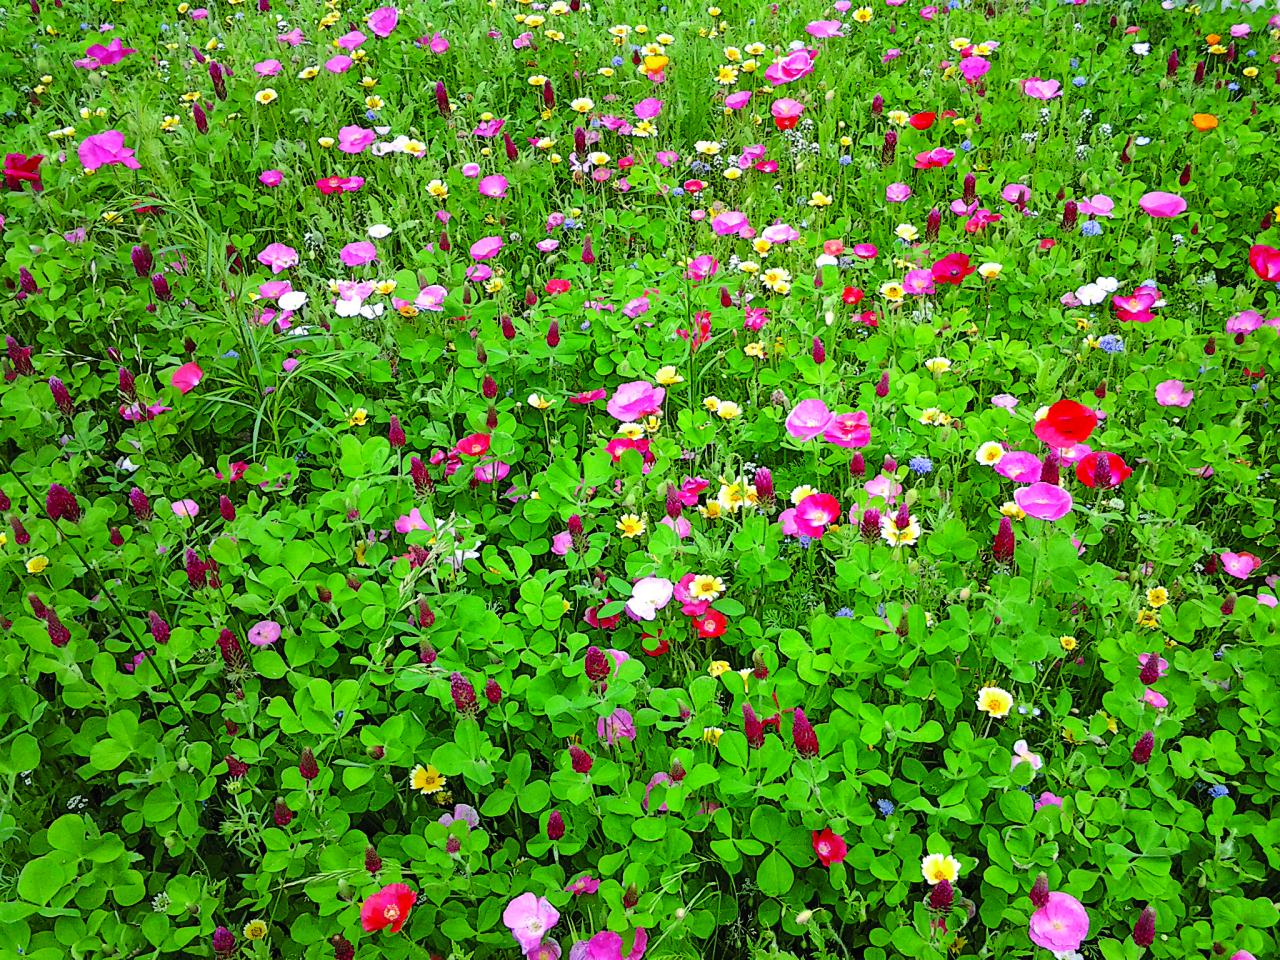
596, 480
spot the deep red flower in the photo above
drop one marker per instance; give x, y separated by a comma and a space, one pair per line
710, 624
852, 296
557, 286
830, 847
1264, 260
476, 445
19, 168
922, 121
389, 907
1066, 424
1087, 470
952, 268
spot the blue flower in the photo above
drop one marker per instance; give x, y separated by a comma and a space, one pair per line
805, 542
1091, 228
586, 325
231, 355
885, 807
846, 160
1078, 81
966, 145
1111, 344
677, 191
371, 115
920, 465
617, 61
844, 612
1218, 790
1075, 62
1233, 87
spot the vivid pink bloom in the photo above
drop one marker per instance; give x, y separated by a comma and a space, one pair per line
529, 918
293, 38
797, 64
106, 149
974, 69
583, 885
865, 251
1061, 925
355, 139
389, 907
1157, 700
1022, 754
339, 63
359, 253
264, 633
268, 68
702, 267
98, 56
648, 108
617, 726
736, 101
1173, 393
1044, 501
824, 29
933, 159
731, 223
808, 418
382, 21
186, 377
1239, 565
810, 517
1265, 262
1099, 205
271, 178
848, 430
897, 192
1039, 89
634, 401
608, 946
494, 186
1048, 799
1067, 423
1162, 205
411, 521
352, 40
186, 508
485, 247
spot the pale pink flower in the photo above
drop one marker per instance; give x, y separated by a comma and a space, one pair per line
1173, 393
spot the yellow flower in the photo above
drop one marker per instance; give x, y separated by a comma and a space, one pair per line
605, 71
755, 349
712, 511
707, 587
732, 173
112, 216
37, 564
708, 148
728, 410
538, 80
712, 404
892, 291
308, 73
631, 525
373, 102
761, 246
906, 231
358, 417
1149, 619
732, 54
170, 123
653, 424
995, 702
666, 376
959, 43
937, 867
751, 267
1011, 510
930, 416
718, 667
326, 142
1157, 597
582, 105
1112, 725
368, 82
755, 49
632, 431
726, 75
937, 365
898, 117
1068, 643
426, 779
266, 96
712, 735
990, 453
1250, 72
863, 15
4, 539
819, 199
255, 930
538, 402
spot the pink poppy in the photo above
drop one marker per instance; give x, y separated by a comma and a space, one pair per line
588, 396
411, 521
808, 418
106, 149
492, 472
271, 178
268, 68
186, 377
811, 516
1239, 565
293, 38
489, 128
1162, 205
351, 40
824, 29
186, 508
494, 186
584, 884
264, 633
736, 101
1155, 698
974, 69
780, 233
1265, 262
1020, 467
865, 251
97, 56
1061, 925
389, 907
1173, 393
632, 401
485, 247
1099, 205
339, 63
918, 283
793, 66
278, 257
648, 108
1039, 89
702, 267
731, 223
848, 430
354, 139
934, 159
358, 254
897, 192
529, 918
437, 44
382, 21
1044, 501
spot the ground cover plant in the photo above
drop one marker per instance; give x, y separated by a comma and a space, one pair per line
605, 480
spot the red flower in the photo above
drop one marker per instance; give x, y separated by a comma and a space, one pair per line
693, 186
852, 296
1087, 468
830, 847
786, 123
389, 907
710, 624
557, 286
18, 167
476, 445
922, 121
952, 268
1066, 424
1264, 260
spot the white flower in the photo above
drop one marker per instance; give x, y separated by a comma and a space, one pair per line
1091, 294
1141, 49
378, 231
292, 300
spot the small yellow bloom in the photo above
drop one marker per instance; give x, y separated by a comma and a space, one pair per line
906, 231
1157, 597
266, 96
863, 15
666, 376
308, 73
937, 365
373, 102
995, 702
732, 173
1149, 619
755, 349
726, 75
800, 492
170, 123
1250, 72
582, 105
632, 431
707, 587
1011, 510
708, 148
819, 199
990, 453
37, 564
539, 402
426, 780
255, 930
937, 867
631, 525
1068, 643
718, 667
326, 142
712, 735
712, 404
728, 410
358, 417
898, 117
893, 291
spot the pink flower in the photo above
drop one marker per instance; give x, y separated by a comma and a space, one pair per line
897, 192
808, 418
561, 543
974, 69
633, 401
1173, 393
1061, 925
494, 186
411, 521
736, 101
810, 517
339, 63
1157, 700
731, 223
106, 149
186, 377
529, 918
271, 178
264, 633
648, 108
268, 68
1048, 799
848, 430
358, 254
1044, 501
1239, 565
608, 946
933, 159
1039, 89
617, 726
1099, 205
354, 139
352, 40
1020, 467
492, 472
437, 44
485, 247
865, 251
1022, 754
1162, 205
648, 596
793, 66
293, 38
702, 267
97, 55
389, 907
186, 508
382, 21
824, 29
584, 884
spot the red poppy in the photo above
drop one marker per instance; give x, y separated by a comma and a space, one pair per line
786, 123
922, 121
558, 286
1048, 244
693, 186
389, 907
852, 296
476, 445
659, 649
1066, 424
710, 624
1087, 467
952, 268
18, 167
830, 847
1264, 260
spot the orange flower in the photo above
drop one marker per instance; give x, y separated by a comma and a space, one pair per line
1211, 39
1204, 122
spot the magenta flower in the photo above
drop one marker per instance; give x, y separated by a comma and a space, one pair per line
810, 517
340, 63
485, 247
1162, 205
648, 108
934, 159
268, 68
106, 149
808, 418
617, 726
494, 186
354, 139
186, 377
784, 108
731, 223
974, 69
1039, 89
98, 56
529, 918
186, 508
1173, 393
271, 178
264, 633
1020, 467
352, 40
1239, 565
1048, 799
411, 521
1099, 205
702, 267
848, 430
382, 21
278, 257
358, 254
1061, 925
633, 401
793, 66
583, 885
897, 192
824, 29
1044, 501
736, 101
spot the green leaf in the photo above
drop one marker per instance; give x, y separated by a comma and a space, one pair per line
775, 876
